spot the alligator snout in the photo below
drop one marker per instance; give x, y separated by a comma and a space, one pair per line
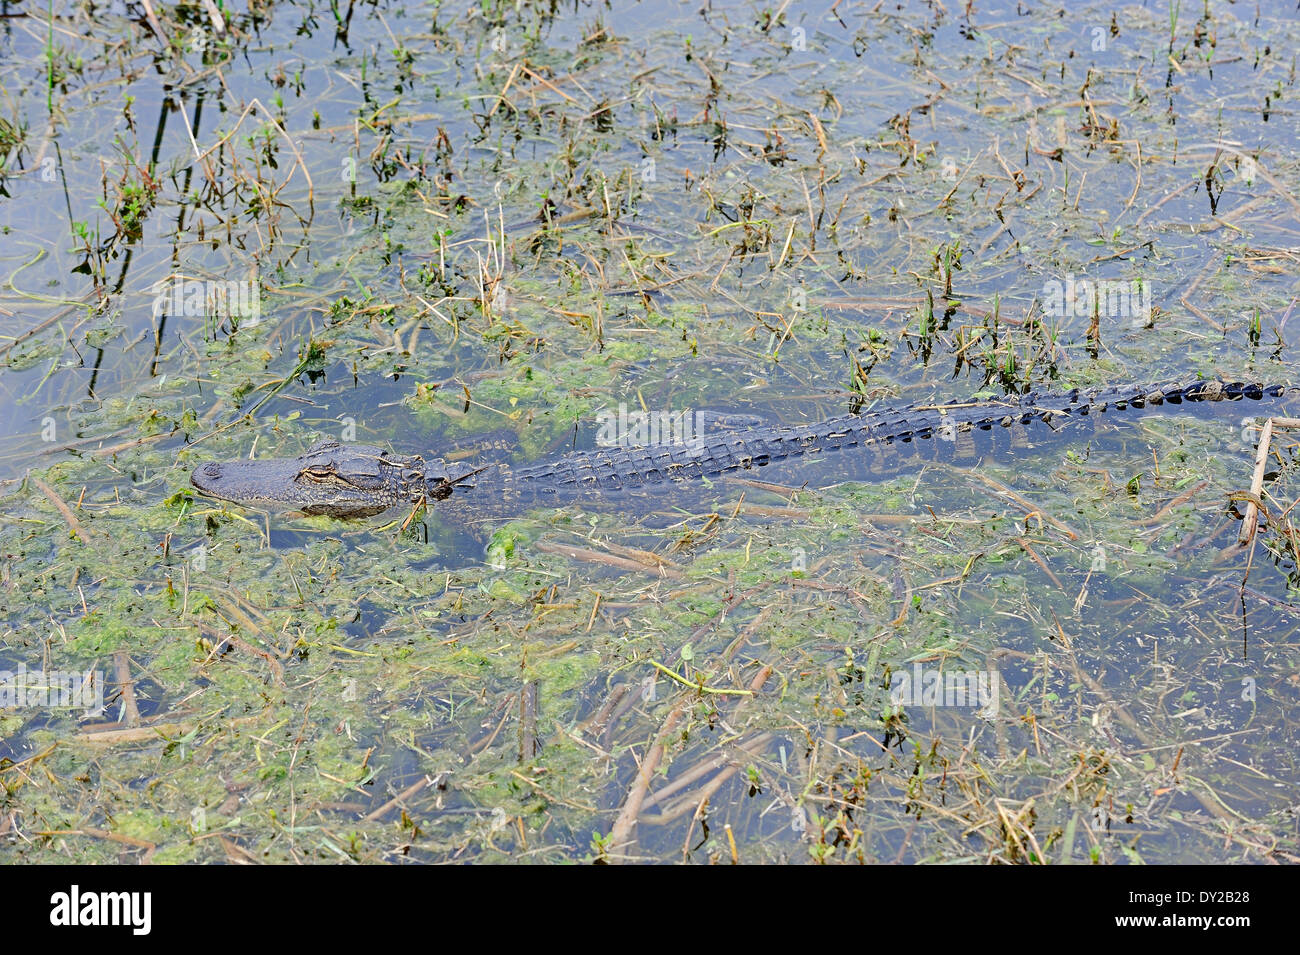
207, 477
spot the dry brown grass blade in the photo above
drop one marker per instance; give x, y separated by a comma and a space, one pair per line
126, 686
1031, 510
154, 731
154, 23
620, 834
104, 834
529, 744
400, 798
277, 671
215, 18
664, 568
1251, 521
1028, 549
1183, 498
69, 518
730, 765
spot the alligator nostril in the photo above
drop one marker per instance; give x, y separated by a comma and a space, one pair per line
212, 470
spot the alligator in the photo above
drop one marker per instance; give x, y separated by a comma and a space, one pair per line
356, 480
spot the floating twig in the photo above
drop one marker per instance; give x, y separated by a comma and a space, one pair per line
73, 524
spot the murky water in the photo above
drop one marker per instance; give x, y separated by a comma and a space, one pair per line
477, 230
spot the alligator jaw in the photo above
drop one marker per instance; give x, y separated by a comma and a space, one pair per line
330, 479
246, 482
269, 484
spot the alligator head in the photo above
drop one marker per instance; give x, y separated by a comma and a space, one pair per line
339, 480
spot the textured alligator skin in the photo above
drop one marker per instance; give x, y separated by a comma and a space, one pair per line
357, 480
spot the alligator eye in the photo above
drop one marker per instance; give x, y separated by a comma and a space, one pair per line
317, 474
